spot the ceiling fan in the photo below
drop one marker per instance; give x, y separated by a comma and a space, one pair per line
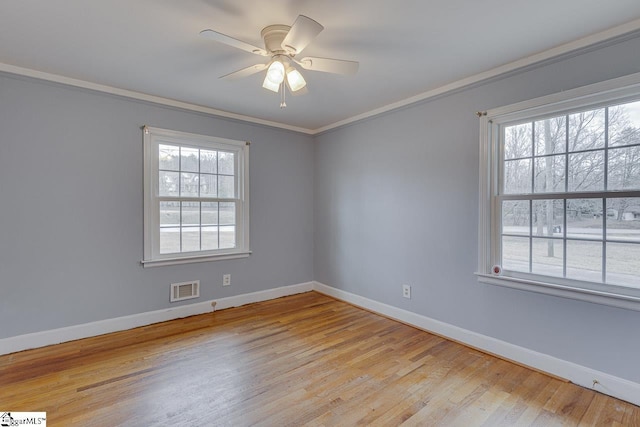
282, 44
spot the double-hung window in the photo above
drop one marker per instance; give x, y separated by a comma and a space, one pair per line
196, 205
560, 194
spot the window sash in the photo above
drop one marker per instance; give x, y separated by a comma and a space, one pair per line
565, 234
200, 226
610, 93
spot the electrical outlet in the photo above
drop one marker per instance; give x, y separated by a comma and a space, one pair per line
226, 279
406, 291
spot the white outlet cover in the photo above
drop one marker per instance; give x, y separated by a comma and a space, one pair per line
406, 291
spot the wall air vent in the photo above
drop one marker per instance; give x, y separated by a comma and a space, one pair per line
185, 290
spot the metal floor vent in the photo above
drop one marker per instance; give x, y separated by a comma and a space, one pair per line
185, 290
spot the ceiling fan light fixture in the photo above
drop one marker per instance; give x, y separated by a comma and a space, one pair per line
268, 84
295, 79
282, 43
275, 73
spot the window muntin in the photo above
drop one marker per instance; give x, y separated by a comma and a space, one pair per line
191, 172
509, 219
196, 197
558, 176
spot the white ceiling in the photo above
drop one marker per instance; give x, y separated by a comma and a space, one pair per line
405, 47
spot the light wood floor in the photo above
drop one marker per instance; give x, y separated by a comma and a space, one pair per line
300, 360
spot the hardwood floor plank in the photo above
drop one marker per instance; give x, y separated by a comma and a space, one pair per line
306, 359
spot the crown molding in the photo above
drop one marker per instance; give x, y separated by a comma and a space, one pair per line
536, 59
56, 78
576, 46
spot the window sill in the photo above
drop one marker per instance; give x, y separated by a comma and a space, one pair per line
628, 301
192, 259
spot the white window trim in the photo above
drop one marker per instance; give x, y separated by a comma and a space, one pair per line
615, 90
152, 258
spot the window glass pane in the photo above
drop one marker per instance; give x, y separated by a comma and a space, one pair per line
189, 185
548, 217
586, 171
168, 157
209, 213
584, 218
584, 260
586, 130
208, 161
517, 141
190, 213
624, 124
168, 183
226, 163
209, 238
169, 214
169, 240
623, 219
227, 237
189, 159
226, 187
517, 176
515, 217
208, 186
550, 136
190, 239
228, 213
623, 267
624, 168
515, 253
549, 174
548, 257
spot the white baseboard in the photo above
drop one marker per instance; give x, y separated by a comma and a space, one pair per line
56, 336
577, 374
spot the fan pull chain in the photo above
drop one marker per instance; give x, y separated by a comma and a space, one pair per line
283, 103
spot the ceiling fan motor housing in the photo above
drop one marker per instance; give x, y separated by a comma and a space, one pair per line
273, 36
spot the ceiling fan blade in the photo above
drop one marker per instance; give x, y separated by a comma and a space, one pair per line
327, 65
244, 72
302, 31
230, 41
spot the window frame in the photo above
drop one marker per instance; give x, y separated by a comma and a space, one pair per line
152, 138
615, 91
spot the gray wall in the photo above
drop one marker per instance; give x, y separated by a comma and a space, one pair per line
394, 198
396, 202
71, 222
